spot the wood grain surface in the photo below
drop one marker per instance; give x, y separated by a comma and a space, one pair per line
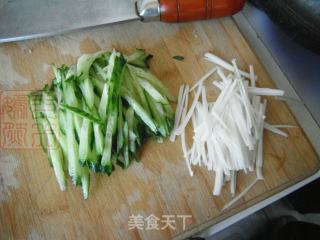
31, 204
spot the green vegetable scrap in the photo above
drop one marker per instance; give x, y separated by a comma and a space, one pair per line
179, 58
98, 112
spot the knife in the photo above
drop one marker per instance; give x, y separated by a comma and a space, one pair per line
25, 19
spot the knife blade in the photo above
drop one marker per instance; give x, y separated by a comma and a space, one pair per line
25, 19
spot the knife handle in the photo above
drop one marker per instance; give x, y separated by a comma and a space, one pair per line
190, 10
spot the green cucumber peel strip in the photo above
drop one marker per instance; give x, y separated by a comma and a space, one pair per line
81, 113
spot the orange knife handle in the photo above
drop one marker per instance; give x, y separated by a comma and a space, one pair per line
190, 10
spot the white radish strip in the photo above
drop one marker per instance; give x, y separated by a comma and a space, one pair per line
265, 91
233, 183
252, 78
220, 121
211, 154
220, 160
204, 99
186, 102
247, 105
222, 76
193, 154
204, 155
191, 151
196, 160
227, 178
193, 120
228, 133
275, 130
236, 69
260, 120
251, 167
285, 126
183, 137
214, 59
178, 114
218, 182
209, 158
256, 115
237, 198
259, 161
205, 111
190, 112
205, 77
240, 122
246, 83
224, 97
229, 76
226, 172
219, 85
185, 152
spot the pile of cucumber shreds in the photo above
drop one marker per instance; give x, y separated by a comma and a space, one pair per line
98, 113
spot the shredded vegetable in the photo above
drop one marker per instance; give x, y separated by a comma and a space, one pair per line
227, 132
98, 112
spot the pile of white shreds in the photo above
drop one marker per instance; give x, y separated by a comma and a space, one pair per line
228, 132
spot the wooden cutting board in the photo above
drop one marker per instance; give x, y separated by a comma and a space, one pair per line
31, 204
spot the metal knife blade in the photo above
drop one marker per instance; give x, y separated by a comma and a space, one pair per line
25, 19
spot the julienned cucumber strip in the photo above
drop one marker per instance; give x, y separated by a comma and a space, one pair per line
98, 138
147, 75
56, 156
85, 182
73, 152
70, 99
139, 58
35, 106
147, 86
93, 161
100, 72
158, 115
131, 135
152, 91
85, 62
106, 156
81, 113
99, 112
120, 139
51, 114
83, 66
85, 139
104, 102
114, 82
140, 111
97, 85
126, 161
87, 91
137, 91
